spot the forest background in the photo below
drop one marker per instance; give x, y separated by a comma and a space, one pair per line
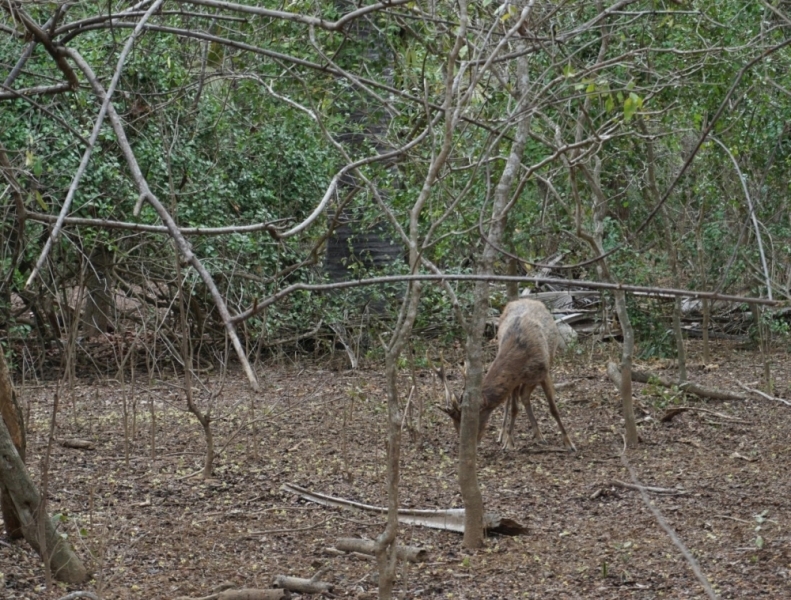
198, 182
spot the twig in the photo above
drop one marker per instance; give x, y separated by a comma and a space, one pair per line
190, 475
75, 595
672, 412
406, 407
704, 582
763, 394
733, 519
648, 488
290, 530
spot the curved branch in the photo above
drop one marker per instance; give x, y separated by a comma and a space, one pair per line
593, 285
339, 175
44, 39
752, 215
144, 228
181, 243
86, 157
296, 17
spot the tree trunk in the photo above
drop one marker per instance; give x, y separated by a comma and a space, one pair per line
512, 287
705, 326
627, 352
595, 241
12, 416
653, 190
98, 299
20, 490
471, 403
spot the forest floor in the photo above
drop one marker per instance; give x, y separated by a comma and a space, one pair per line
150, 530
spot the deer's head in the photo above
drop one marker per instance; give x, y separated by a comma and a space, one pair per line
452, 406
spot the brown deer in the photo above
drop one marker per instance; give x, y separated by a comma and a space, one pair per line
527, 339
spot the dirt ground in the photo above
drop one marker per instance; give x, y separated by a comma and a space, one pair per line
151, 530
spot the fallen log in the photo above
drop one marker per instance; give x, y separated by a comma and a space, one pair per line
241, 594
614, 373
408, 553
450, 519
301, 585
648, 488
77, 444
677, 410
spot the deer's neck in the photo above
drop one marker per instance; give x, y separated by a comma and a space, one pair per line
494, 392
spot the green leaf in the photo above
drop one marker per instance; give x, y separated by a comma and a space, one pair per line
629, 109
40, 202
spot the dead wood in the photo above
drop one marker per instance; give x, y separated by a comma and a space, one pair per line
80, 594
253, 594
451, 519
763, 394
677, 410
299, 584
648, 488
244, 594
408, 553
78, 444
743, 457
689, 387
19, 490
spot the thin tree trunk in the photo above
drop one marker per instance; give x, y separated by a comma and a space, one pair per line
594, 240
512, 287
11, 414
681, 352
627, 352
471, 403
706, 318
653, 189
64, 563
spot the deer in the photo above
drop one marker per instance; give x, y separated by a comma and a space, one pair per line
527, 339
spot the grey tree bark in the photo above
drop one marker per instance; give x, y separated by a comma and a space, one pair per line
471, 402
36, 528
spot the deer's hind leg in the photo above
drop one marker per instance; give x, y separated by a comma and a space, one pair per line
527, 391
549, 391
506, 437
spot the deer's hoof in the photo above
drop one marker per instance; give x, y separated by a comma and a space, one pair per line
507, 444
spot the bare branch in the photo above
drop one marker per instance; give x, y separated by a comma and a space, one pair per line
758, 239
181, 243
296, 17
53, 236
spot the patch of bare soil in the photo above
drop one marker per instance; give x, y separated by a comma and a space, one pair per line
150, 530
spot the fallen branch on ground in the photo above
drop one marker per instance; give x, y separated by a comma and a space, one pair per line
75, 595
688, 386
693, 564
451, 519
408, 553
78, 445
305, 586
648, 488
677, 410
763, 394
244, 594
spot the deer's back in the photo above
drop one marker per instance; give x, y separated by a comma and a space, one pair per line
527, 340
528, 321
